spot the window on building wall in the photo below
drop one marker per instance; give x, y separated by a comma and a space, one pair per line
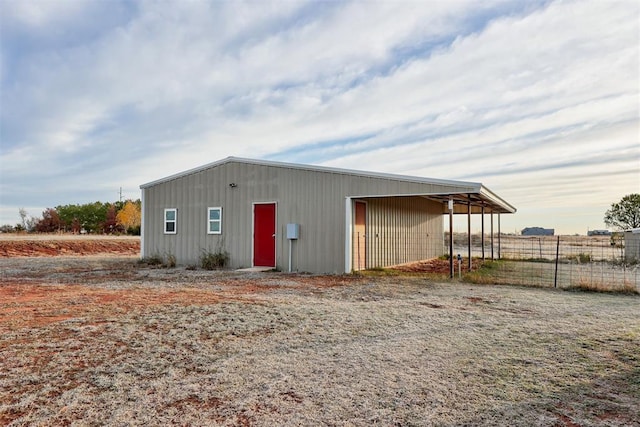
170, 221
214, 221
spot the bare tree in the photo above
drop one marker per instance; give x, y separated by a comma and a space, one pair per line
23, 217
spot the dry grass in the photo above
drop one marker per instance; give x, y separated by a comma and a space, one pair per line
603, 277
93, 341
586, 284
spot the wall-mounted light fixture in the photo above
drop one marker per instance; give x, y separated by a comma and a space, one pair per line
233, 185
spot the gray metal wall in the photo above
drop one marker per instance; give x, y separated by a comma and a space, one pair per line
403, 229
314, 199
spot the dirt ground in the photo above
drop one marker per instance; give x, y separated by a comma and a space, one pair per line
103, 340
32, 245
438, 266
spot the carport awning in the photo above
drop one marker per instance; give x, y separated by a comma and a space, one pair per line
477, 195
482, 197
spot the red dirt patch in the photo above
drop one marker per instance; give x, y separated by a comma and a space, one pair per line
437, 265
28, 299
565, 421
29, 305
74, 247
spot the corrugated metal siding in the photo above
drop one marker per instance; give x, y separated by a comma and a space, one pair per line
631, 246
403, 229
313, 199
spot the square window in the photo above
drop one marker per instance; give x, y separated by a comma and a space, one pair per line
170, 221
214, 220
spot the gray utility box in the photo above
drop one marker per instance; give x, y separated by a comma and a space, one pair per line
293, 231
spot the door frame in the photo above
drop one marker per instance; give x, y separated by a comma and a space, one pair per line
253, 233
366, 227
350, 222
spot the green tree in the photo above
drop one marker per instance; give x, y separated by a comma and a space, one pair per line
89, 217
70, 217
625, 214
94, 215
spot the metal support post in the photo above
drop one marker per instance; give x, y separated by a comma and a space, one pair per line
482, 238
451, 238
469, 230
492, 234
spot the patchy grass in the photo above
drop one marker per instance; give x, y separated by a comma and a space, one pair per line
591, 285
492, 272
399, 273
154, 259
92, 341
214, 260
167, 261
602, 278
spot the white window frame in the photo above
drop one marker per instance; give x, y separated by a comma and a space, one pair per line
209, 220
174, 221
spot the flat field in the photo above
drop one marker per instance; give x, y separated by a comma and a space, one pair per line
105, 341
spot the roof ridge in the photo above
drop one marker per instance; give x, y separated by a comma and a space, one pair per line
316, 168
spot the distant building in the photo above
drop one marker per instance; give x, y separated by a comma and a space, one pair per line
632, 245
598, 233
537, 231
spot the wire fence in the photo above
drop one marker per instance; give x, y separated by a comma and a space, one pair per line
605, 263
594, 262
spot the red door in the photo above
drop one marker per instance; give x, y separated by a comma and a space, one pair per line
264, 235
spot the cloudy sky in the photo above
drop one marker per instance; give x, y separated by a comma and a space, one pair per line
538, 100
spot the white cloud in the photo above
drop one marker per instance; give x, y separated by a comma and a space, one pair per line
43, 14
445, 89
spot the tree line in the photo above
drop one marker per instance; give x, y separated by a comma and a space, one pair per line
94, 218
125, 217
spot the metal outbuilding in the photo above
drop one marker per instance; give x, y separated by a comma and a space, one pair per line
304, 218
537, 231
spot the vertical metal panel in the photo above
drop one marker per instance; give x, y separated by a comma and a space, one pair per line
403, 229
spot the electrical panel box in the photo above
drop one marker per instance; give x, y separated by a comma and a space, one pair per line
293, 231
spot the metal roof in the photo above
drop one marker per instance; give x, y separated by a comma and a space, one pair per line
472, 192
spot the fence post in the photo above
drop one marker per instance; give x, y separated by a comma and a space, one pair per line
450, 206
555, 279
